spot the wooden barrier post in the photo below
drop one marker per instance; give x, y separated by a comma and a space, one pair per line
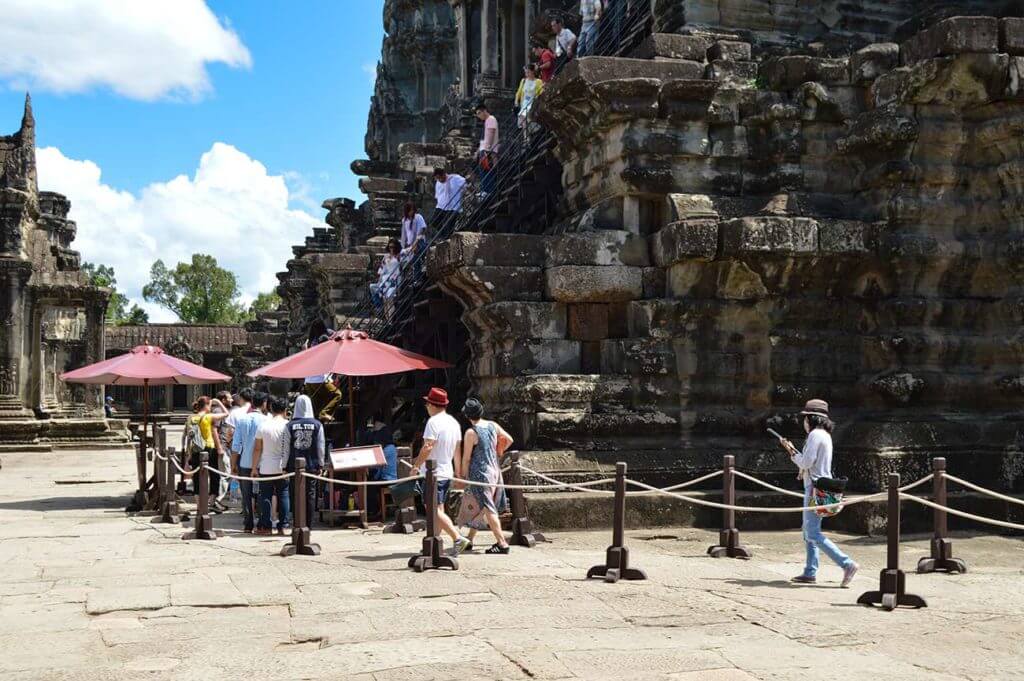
729, 537
892, 581
169, 502
300, 544
941, 558
432, 557
616, 565
203, 523
522, 528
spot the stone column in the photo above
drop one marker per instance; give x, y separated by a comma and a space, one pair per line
507, 41
14, 276
489, 39
461, 11
527, 24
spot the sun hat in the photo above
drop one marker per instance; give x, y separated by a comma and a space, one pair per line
437, 397
473, 408
815, 408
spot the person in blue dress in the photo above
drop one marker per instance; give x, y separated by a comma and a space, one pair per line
482, 448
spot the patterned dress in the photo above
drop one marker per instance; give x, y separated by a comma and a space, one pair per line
484, 468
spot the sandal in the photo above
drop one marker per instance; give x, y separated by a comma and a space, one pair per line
498, 549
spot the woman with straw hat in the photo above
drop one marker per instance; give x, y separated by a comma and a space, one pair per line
815, 462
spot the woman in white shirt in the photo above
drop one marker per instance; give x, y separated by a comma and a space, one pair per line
383, 292
815, 461
413, 227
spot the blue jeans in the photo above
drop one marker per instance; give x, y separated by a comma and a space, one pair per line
587, 40
247, 498
268, 490
813, 538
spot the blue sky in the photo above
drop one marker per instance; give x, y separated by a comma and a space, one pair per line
282, 87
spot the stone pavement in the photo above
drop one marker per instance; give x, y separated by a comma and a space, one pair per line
88, 593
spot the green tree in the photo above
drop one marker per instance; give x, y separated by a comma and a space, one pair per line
199, 292
117, 308
265, 302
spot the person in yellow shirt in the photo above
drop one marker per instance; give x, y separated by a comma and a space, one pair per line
199, 436
529, 87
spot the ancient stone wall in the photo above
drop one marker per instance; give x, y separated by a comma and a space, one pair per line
753, 229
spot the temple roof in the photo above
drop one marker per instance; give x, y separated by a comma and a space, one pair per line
200, 337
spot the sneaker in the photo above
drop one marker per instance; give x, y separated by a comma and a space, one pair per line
804, 579
498, 549
848, 572
460, 545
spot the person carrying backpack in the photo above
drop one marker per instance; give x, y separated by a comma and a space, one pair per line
200, 436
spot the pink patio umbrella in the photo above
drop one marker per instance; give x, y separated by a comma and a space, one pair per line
145, 365
349, 353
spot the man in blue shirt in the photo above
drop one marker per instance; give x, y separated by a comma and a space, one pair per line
243, 440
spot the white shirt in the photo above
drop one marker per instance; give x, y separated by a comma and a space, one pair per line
563, 41
444, 430
234, 415
815, 461
412, 228
274, 456
449, 192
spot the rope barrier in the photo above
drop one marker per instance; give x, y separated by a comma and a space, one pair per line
757, 509
976, 488
799, 495
356, 483
962, 514
262, 478
474, 483
177, 465
579, 487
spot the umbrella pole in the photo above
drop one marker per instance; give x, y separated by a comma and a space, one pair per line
139, 503
351, 416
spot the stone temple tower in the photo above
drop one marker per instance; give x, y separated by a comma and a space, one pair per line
51, 319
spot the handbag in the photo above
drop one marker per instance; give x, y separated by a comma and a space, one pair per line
825, 493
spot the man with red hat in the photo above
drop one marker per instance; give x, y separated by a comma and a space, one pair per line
441, 439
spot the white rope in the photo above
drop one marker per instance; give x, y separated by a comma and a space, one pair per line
537, 488
262, 478
801, 496
356, 483
962, 514
159, 455
177, 465
780, 490
976, 488
579, 487
759, 509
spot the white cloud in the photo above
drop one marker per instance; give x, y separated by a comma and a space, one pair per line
231, 208
139, 49
370, 69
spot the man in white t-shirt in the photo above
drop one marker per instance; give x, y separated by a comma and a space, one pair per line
268, 459
565, 40
442, 438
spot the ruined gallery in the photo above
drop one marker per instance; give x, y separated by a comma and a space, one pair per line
732, 207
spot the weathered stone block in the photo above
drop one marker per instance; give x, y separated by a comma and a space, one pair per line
742, 73
955, 35
543, 357
845, 237
477, 249
878, 129
684, 206
638, 357
603, 247
686, 100
872, 61
960, 80
683, 240
597, 284
673, 46
654, 282
1011, 35
369, 185
786, 236
516, 319
588, 321
729, 141
476, 286
733, 50
787, 73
